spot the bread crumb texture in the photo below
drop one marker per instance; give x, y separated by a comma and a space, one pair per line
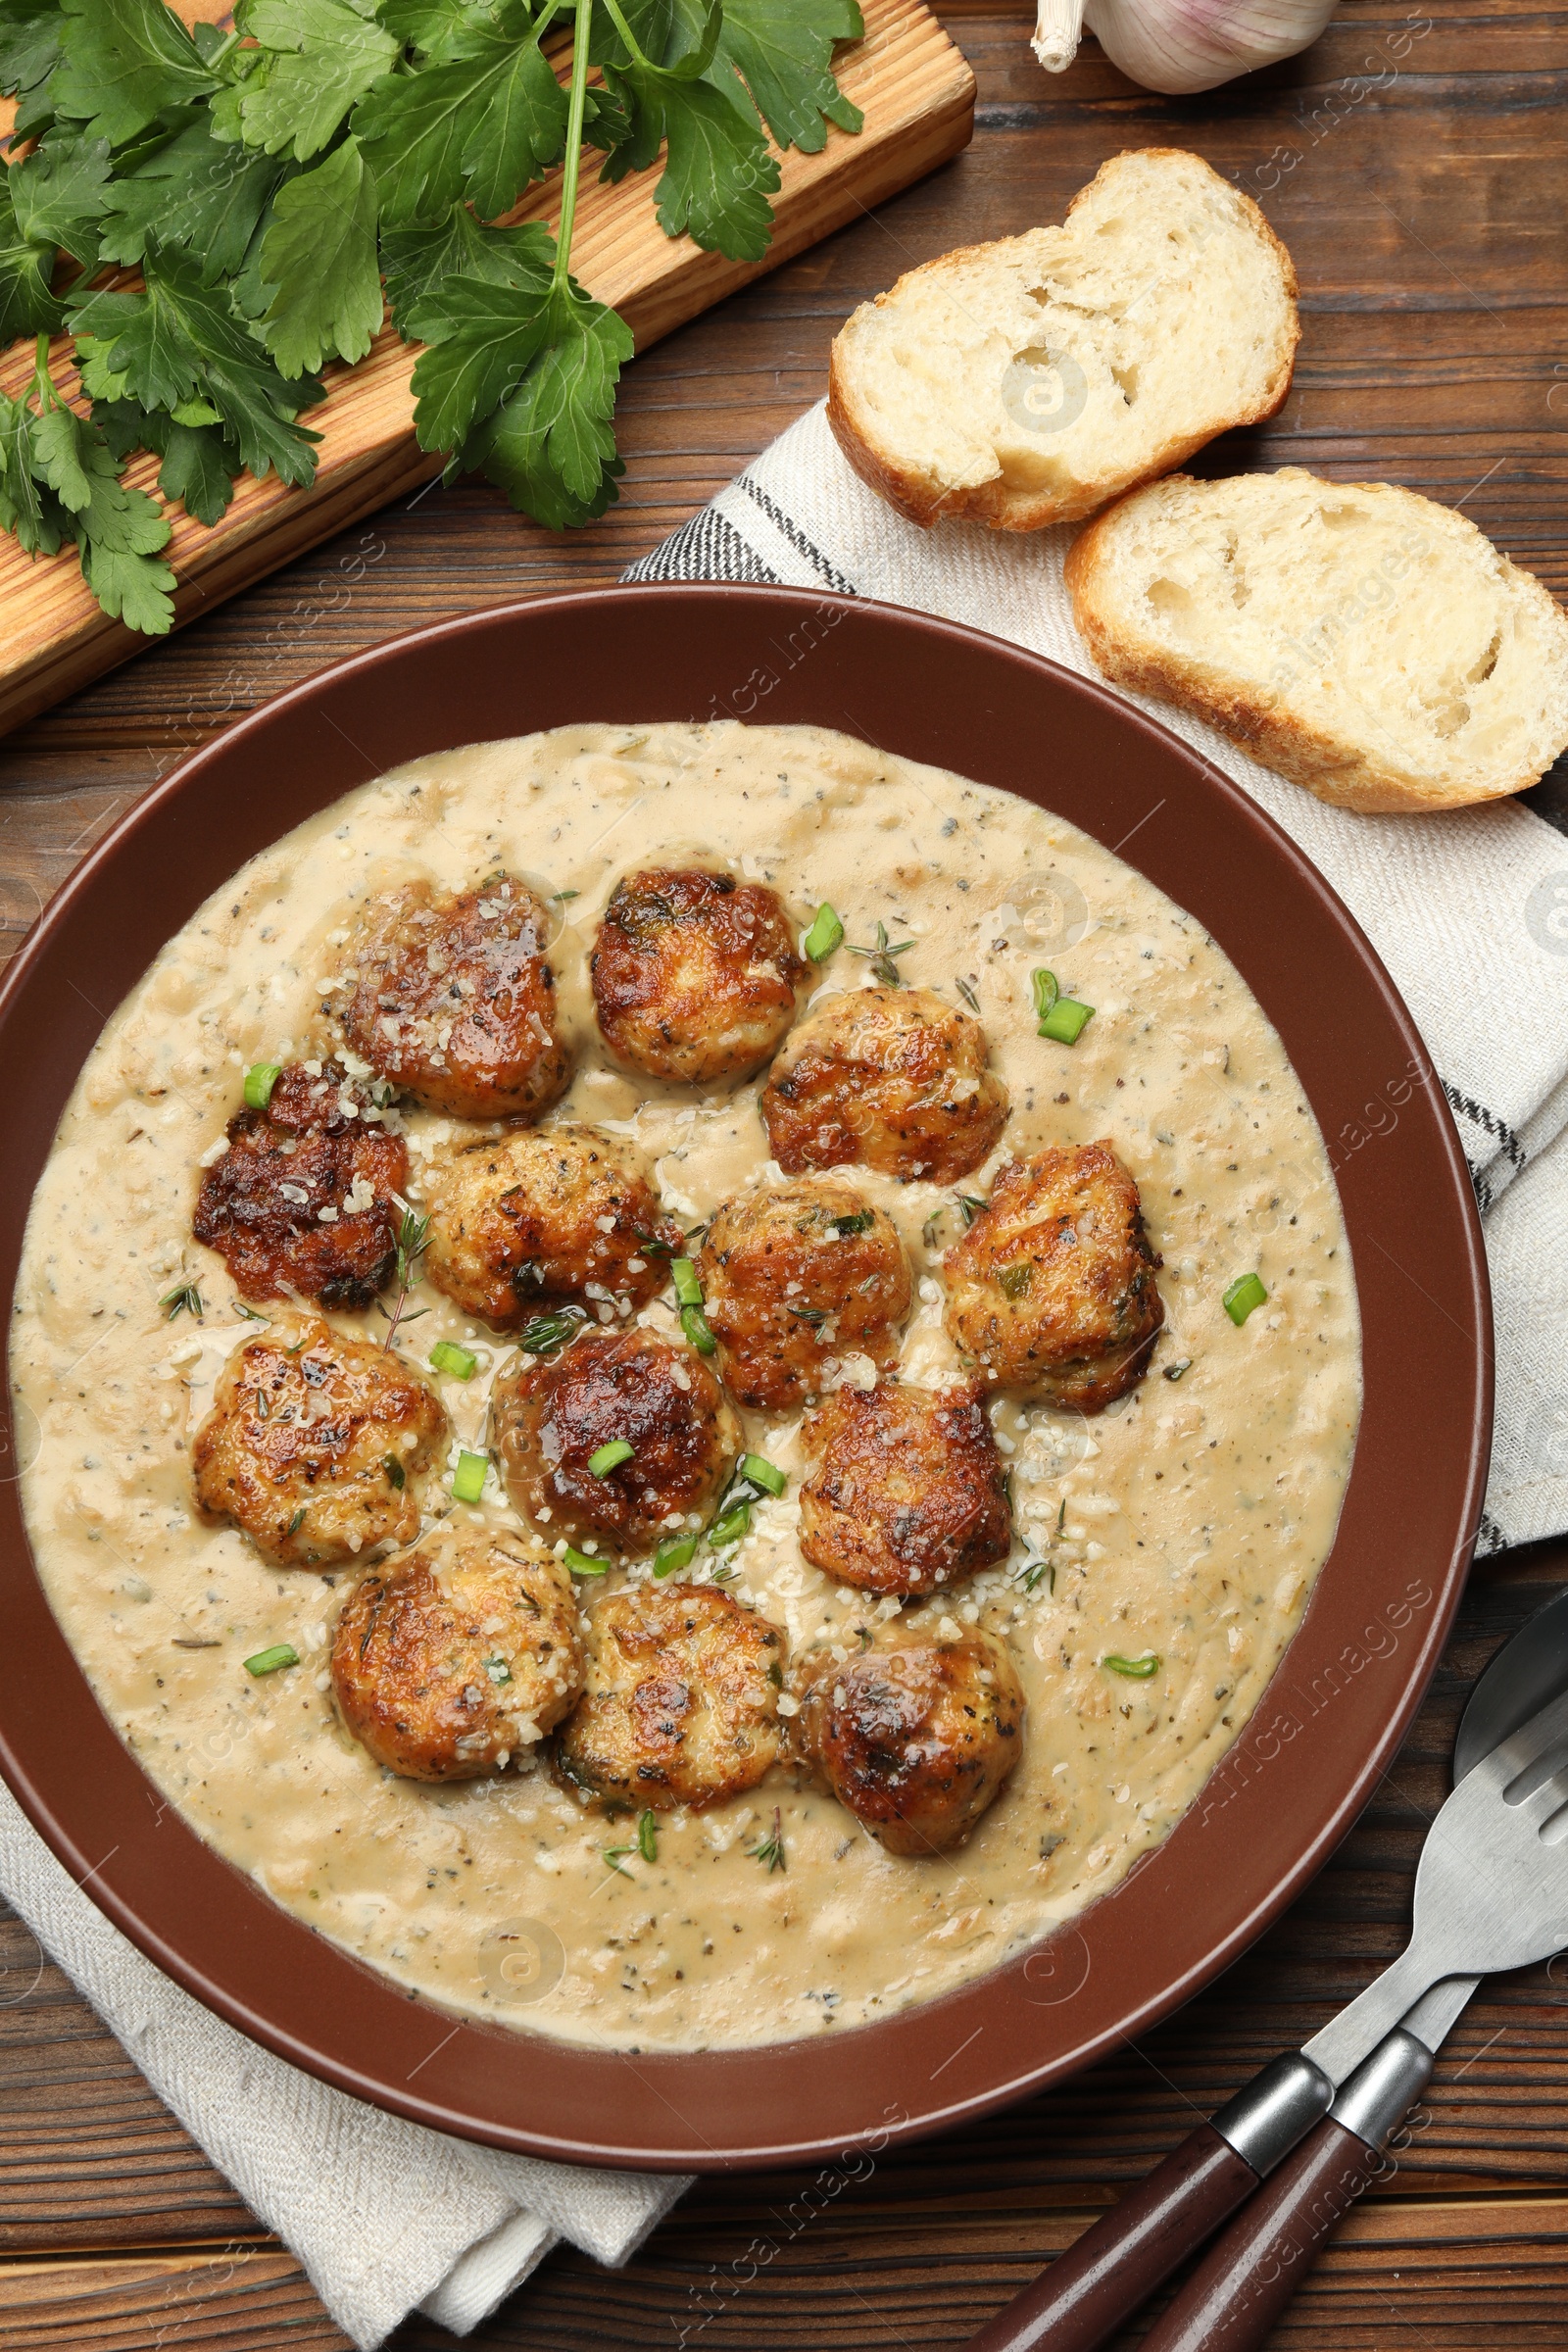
1354, 637
1030, 381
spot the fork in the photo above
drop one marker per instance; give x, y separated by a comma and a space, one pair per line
1491, 1893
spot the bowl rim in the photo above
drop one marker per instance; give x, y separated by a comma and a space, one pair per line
1057, 2007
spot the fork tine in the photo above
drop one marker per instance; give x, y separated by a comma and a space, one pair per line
1526, 1747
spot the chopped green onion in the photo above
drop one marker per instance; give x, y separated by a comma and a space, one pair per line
468, 1479
610, 1457
1137, 1670
683, 1274
694, 1323
730, 1525
1245, 1293
1067, 1020
1045, 991
648, 1835
546, 1332
397, 1476
582, 1563
260, 1080
675, 1551
498, 1670
827, 933
447, 1356
762, 1474
268, 1661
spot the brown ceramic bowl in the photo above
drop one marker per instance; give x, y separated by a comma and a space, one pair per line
1330, 1721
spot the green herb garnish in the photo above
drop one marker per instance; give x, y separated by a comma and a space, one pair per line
825, 935
546, 1332
468, 1479
854, 1220
583, 1563
460, 1363
414, 1239
186, 1300
1060, 1017
1245, 1294
769, 1852
882, 955
675, 1551
967, 993
268, 1661
1014, 1281
280, 187
397, 1476
648, 1835
260, 1080
762, 1474
498, 1670
1137, 1670
605, 1458
731, 1525
683, 1274
972, 1207
694, 1323
1175, 1371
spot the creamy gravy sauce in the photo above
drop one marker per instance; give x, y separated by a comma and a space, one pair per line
1189, 1521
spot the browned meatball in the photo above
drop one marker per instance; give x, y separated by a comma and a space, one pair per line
456, 1656
795, 1278
682, 1700
907, 1491
303, 1198
551, 1417
889, 1078
695, 975
528, 1222
915, 1737
316, 1444
1052, 1288
452, 996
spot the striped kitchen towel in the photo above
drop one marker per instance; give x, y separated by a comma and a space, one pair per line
1468, 909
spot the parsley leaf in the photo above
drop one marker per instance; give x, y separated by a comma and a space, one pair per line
319, 262
783, 49
719, 173
58, 194
478, 129
200, 460
319, 58
28, 508
30, 52
417, 262
550, 446
119, 531
26, 268
122, 63
176, 340
481, 338
195, 191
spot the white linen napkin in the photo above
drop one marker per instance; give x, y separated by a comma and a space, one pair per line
385, 2217
1470, 913
1469, 909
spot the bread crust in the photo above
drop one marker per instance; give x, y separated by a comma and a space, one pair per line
993, 503
1322, 763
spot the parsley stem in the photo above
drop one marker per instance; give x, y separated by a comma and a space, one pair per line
572, 165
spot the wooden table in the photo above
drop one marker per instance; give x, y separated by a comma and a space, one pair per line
1415, 166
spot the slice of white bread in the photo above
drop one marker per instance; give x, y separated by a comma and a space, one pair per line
1353, 636
1028, 382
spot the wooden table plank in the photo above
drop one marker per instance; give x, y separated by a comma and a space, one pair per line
1427, 220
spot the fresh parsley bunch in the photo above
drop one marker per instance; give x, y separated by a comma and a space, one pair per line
276, 188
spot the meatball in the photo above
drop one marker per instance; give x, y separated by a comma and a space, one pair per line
794, 1279
457, 1655
695, 975
915, 1737
529, 1222
315, 1444
890, 1078
682, 1700
551, 1418
303, 1198
452, 996
907, 1491
1052, 1288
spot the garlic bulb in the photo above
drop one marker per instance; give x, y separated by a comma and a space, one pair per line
1178, 45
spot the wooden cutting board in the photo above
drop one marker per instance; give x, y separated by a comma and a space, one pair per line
918, 97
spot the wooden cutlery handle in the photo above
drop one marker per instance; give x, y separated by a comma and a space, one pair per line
1239, 2290
1125, 2255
